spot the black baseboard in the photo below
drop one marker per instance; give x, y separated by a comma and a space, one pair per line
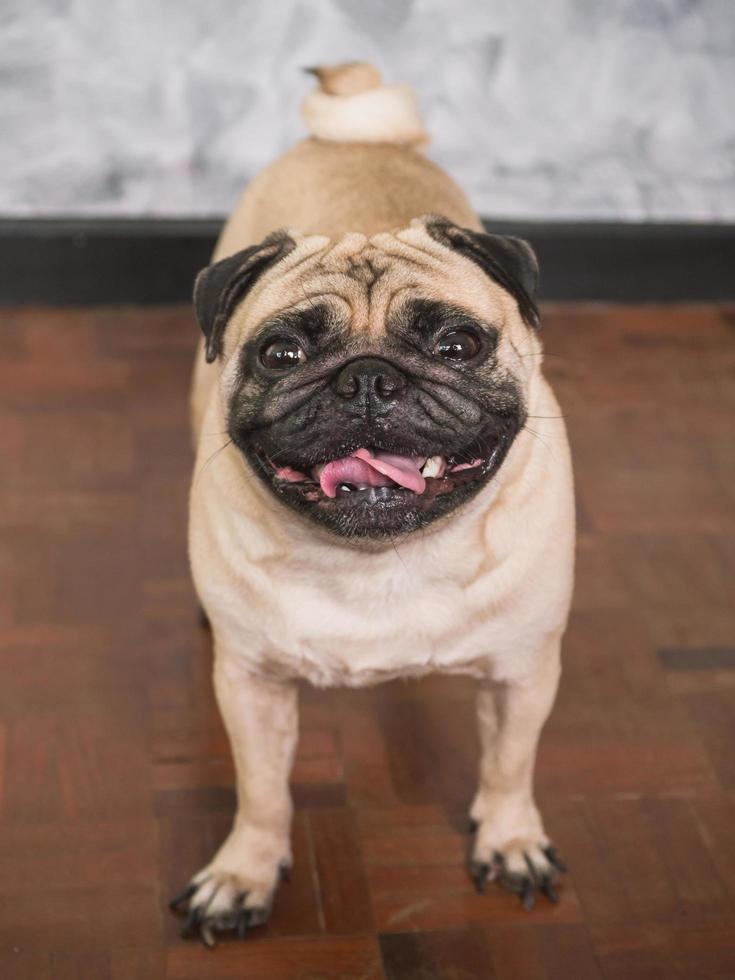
88, 261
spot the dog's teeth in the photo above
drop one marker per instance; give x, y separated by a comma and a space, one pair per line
432, 466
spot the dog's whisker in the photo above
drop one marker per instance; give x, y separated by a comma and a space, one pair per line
540, 438
395, 548
207, 463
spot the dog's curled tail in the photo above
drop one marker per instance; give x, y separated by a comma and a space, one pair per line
351, 105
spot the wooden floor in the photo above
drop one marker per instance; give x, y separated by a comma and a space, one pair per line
115, 777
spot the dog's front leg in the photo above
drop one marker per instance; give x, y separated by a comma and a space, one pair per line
511, 844
236, 888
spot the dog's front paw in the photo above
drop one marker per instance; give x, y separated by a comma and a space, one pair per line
521, 859
236, 890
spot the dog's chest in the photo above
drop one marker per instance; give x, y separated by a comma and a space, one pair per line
404, 616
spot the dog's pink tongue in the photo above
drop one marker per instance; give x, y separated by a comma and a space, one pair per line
364, 468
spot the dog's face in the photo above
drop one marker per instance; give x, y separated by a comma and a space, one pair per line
374, 385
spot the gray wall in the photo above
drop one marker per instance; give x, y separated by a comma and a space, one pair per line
619, 109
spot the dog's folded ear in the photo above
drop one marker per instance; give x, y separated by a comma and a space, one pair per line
509, 261
221, 286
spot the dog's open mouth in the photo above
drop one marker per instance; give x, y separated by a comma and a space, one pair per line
373, 476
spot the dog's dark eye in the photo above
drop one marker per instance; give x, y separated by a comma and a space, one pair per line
282, 355
459, 345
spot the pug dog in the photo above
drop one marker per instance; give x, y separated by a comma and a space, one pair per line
382, 486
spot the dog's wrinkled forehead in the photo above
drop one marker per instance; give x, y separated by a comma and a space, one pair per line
364, 279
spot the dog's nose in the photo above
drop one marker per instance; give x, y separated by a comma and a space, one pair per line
369, 386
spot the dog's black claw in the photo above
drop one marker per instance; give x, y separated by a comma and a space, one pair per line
548, 889
258, 916
472, 825
531, 869
284, 872
182, 897
525, 884
554, 858
243, 921
479, 873
203, 618
514, 882
192, 923
528, 895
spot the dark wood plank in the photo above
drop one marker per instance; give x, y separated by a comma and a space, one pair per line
343, 886
714, 721
328, 958
427, 955
697, 658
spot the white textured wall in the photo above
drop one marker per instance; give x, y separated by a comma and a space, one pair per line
616, 109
